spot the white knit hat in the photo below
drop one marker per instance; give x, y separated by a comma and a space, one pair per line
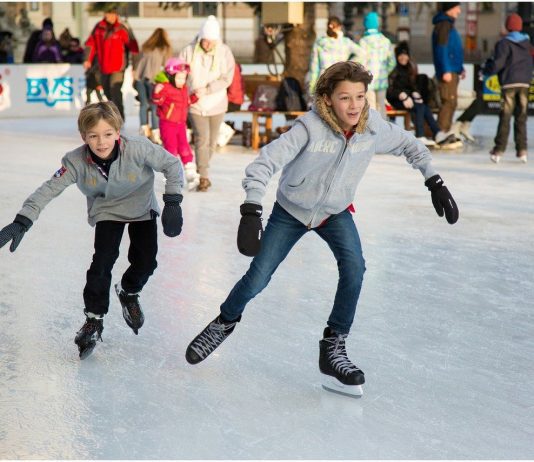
210, 30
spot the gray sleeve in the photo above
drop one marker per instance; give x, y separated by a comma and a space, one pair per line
37, 201
162, 161
271, 159
392, 139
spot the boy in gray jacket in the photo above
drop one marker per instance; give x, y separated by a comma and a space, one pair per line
323, 158
116, 173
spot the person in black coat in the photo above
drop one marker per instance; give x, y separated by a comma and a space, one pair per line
402, 93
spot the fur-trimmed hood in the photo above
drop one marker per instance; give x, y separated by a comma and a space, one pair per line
327, 114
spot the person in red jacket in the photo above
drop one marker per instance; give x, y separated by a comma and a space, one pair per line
171, 96
236, 90
110, 41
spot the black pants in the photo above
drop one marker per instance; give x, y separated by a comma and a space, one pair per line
141, 255
514, 102
112, 84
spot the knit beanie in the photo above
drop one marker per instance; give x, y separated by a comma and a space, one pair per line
446, 6
371, 20
402, 48
514, 23
210, 30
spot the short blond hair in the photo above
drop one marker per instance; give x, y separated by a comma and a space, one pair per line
91, 114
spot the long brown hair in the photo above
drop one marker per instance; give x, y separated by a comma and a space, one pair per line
158, 39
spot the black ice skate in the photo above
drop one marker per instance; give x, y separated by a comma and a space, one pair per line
131, 309
339, 374
210, 338
88, 335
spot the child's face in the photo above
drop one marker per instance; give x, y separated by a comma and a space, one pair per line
101, 139
347, 101
403, 59
179, 79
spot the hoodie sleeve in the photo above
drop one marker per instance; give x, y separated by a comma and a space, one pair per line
271, 159
314, 68
38, 200
500, 56
161, 160
394, 140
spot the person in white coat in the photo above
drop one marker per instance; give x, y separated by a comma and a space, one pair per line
212, 69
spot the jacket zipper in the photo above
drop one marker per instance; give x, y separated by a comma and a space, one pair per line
169, 112
346, 142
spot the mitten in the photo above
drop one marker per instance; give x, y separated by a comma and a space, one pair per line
250, 229
442, 199
171, 218
15, 232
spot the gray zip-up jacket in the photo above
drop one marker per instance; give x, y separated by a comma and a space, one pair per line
127, 194
321, 169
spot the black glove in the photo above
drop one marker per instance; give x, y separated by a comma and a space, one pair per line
15, 231
442, 199
250, 229
171, 218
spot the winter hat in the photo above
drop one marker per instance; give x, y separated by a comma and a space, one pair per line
48, 23
371, 20
446, 6
402, 48
210, 30
514, 23
175, 65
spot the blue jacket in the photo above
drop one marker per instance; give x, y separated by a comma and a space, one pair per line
321, 169
446, 46
511, 61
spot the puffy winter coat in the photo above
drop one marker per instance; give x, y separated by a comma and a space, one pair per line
109, 42
172, 102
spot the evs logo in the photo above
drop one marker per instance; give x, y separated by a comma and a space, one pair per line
41, 90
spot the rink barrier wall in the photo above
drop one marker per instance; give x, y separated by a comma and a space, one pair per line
58, 90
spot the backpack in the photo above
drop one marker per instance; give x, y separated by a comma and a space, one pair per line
264, 99
289, 96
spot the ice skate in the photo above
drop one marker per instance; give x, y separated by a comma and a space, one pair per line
447, 141
216, 332
338, 373
155, 136
427, 142
462, 130
144, 130
495, 156
88, 335
522, 156
131, 309
191, 175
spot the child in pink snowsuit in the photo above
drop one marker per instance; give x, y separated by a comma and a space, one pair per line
172, 99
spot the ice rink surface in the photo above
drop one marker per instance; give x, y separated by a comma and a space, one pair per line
444, 328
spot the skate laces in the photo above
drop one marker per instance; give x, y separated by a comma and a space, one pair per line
338, 355
132, 304
92, 326
212, 337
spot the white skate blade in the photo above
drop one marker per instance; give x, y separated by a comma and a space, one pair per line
334, 385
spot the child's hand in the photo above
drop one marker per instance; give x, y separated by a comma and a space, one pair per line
171, 218
442, 199
417, 97
193, 98
407, 102
250, 229
15, 231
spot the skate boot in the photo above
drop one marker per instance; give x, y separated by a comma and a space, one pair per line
131, 309
447, 141
144, 130
155, 136
210, 338
88, 335
339, 374
191, 175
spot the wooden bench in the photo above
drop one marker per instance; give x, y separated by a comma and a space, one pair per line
262, 122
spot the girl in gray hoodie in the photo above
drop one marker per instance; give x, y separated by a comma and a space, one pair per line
323, 158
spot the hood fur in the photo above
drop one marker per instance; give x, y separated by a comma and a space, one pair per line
327, 114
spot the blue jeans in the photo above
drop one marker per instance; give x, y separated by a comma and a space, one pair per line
423, 113
144, 89
281, 234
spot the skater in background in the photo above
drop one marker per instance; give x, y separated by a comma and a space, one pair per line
154, 54
403, 93
323, 158
448, 56
212, 70
93, 83
379, 58
116, 173
512, 62
172, 99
